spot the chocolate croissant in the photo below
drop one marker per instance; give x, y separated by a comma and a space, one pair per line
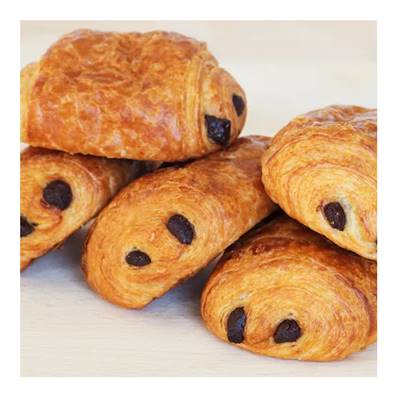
287, 292
321, 170
61, 192
153, 96
166, 226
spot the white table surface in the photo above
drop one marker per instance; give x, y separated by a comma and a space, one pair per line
286, 68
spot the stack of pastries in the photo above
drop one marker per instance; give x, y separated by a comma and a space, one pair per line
141, 132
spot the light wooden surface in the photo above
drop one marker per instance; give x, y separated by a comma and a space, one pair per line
286, 68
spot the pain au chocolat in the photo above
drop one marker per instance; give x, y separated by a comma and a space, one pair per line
147, 96
166, 226
322, 170
287, 292
61, 192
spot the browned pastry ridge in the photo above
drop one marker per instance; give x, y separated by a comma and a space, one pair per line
166, 226
322, 170
153, 96
287, 292
61, 192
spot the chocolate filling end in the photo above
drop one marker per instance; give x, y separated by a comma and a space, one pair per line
26, 227
236, 325
180, 227
138, 258
287, 331
218, 130
58, 194
239, 104
335, 215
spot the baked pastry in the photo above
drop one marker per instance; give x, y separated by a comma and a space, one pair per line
152, 96
287, 292
61, 192
166, 226
321, 170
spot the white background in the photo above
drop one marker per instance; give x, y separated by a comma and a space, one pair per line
286, 68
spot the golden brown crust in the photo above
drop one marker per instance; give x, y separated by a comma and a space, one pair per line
127, 95
93, 181
328, 156
284, 271
221, 196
